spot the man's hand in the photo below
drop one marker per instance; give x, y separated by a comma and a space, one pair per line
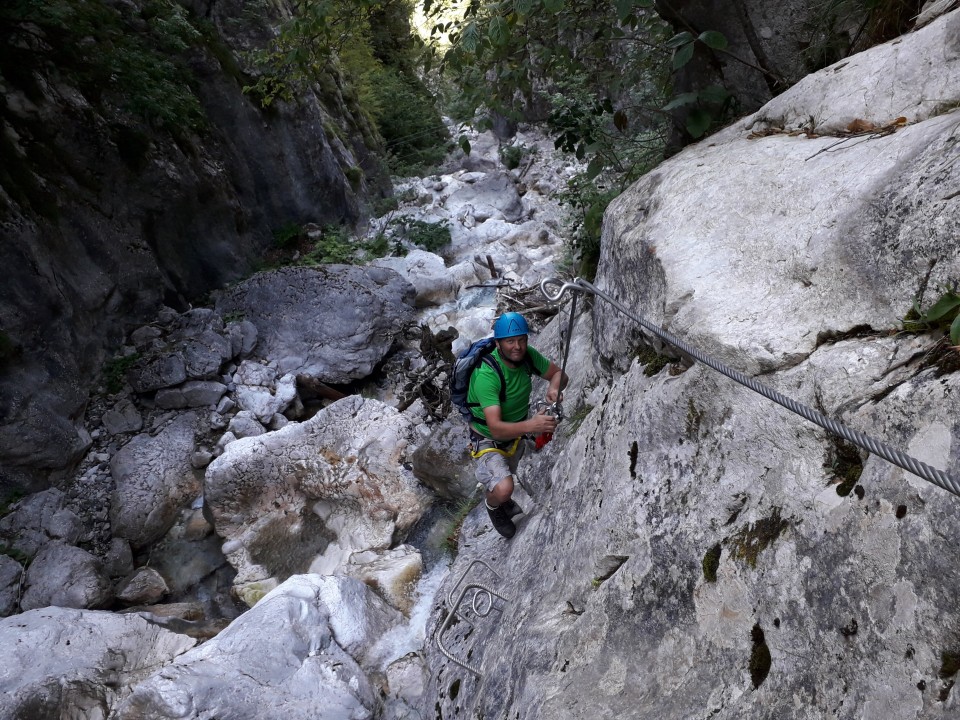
557, 381
542, 423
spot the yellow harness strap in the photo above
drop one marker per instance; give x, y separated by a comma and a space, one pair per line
476, 452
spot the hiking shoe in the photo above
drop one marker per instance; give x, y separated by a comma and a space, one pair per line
501, 521
512, 508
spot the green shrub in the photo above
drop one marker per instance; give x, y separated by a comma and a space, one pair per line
378, 246
455, 518
288, 236
337, 245
18, 555
409, 122
354, 175
115, 370
711, 563
430, 236
587, 202
7, 502
381, 206
511, 155
944, 315
334, 246
127, 59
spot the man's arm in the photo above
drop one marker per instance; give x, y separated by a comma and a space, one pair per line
501, 430
558, 381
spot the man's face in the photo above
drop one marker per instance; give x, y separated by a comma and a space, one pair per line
513, 349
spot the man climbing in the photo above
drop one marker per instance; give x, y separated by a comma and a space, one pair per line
498, 427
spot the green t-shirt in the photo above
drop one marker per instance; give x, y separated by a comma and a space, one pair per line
485, 389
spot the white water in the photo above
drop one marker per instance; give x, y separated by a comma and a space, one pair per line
410, 636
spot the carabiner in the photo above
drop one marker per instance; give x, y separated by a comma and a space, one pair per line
555, 409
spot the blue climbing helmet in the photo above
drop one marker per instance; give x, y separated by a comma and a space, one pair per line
510, 324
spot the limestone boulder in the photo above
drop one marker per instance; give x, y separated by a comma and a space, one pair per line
10, 574
65, 576
244, 424
156, 371
406, 684
819, 235
118, 559
321, 631
262, 391
145, 586
307, 496
90, 660
154, 478
193, 393
427, 273
122, 418
334, 322
393, 574
443, 463
25, 528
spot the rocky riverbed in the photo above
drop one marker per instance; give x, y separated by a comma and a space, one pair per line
219, 465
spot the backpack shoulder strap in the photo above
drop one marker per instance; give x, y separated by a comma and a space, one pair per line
528, 363
487, 359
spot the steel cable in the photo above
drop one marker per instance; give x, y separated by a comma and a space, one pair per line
898, 458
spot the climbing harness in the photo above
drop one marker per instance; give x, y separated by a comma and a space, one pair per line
481, 604
480, 446
937, 477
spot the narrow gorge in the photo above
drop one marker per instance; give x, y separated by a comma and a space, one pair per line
233, 484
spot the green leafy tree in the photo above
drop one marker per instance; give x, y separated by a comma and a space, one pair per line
369, 45
598, 72
130, 60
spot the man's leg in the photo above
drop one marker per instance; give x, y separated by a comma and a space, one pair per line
495, 471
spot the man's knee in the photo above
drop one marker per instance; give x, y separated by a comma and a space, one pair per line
502, 491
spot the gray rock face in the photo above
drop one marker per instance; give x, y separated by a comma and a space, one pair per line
304, 498
65, 576
25, 528
670, 472
851, 235
123, 417
128, 233
334, 323
692, 550
154, 478
10, 573
322, 631
195, 393
89, 660
443, 461
765, 36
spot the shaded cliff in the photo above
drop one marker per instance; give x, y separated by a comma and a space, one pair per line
134, 171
